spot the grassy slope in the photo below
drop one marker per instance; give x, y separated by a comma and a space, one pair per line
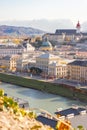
43, 86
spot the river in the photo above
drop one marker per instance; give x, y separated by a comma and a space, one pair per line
38, 99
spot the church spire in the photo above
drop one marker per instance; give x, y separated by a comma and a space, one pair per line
78, 27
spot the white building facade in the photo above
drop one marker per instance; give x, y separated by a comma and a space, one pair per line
52, 65
13, 50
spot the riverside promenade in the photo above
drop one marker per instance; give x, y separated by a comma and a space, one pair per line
75, 84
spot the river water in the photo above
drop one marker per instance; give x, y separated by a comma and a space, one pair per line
38, 99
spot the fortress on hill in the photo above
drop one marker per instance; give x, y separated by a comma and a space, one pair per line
66, 35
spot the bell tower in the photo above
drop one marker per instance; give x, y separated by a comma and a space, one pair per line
78, 27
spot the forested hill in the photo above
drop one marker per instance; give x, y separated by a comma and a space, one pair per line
18, 31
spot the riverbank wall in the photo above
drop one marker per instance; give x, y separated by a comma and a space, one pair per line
54, 88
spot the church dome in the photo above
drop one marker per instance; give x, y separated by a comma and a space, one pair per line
46, 46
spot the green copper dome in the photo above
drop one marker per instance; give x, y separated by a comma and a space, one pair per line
46, 46
46, 43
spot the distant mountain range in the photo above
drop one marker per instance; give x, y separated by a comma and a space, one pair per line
42, 24
34, 27
19, 31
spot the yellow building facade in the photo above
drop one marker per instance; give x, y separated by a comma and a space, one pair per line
77, 71
8, 63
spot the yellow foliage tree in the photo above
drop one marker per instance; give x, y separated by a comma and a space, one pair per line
63, 125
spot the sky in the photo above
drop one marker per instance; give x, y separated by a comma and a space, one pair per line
43, 9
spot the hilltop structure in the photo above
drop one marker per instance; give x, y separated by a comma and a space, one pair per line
66, 35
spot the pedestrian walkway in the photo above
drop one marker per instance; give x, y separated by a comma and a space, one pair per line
70, 83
